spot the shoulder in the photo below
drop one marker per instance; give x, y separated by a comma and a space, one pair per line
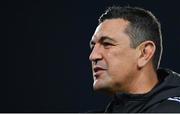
171, 104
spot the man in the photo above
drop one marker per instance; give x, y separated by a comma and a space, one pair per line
126, 53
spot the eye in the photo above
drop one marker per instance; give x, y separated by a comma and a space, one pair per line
92, 46
107, 44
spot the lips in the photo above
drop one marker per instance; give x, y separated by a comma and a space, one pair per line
98, 70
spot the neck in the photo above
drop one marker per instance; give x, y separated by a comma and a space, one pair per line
145, 81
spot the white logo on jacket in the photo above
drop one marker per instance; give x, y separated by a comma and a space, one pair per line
174, 99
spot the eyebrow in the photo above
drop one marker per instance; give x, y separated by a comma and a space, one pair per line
102, 39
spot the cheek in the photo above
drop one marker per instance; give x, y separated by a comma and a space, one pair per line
121, 62
121, 68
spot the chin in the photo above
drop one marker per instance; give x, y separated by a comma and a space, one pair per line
99, 85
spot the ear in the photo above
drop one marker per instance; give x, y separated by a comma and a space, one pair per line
146, 52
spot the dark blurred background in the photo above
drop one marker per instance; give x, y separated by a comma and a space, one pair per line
48, 49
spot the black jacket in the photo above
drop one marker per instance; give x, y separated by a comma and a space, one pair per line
164, 97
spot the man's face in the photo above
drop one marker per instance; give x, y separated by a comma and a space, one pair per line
114, 62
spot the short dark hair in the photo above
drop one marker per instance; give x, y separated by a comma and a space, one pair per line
143, 25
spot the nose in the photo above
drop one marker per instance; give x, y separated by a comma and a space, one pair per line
95, 54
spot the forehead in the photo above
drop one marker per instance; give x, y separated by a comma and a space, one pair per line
111, 27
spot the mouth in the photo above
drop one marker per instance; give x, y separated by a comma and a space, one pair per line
98, 70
